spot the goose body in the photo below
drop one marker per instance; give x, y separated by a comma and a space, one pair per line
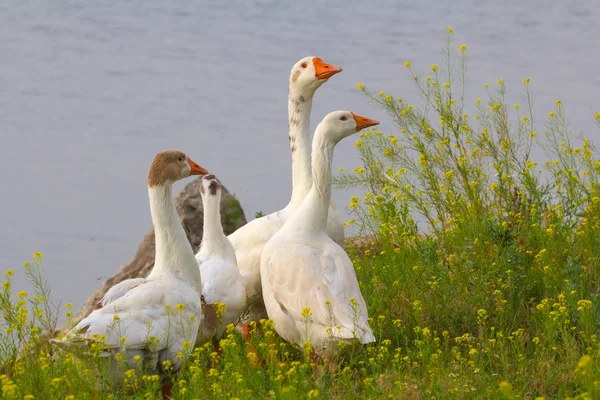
309, 285
306, 77
119, 290
137, 317
221, 278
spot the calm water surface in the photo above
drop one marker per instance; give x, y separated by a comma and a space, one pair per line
90, 91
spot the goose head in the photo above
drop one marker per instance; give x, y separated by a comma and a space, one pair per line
210, 186
341, 124
170, 166
310, 73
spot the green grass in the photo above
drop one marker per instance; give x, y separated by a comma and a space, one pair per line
481, 274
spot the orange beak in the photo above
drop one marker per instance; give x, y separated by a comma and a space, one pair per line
324, 70
195, 169
363, 122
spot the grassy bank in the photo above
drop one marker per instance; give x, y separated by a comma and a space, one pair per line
481, 274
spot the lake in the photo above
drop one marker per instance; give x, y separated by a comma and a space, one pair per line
91, 91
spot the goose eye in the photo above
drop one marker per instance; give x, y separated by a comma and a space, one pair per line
181, 158
304, 65
344, 118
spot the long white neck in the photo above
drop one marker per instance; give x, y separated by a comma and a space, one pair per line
174, 253
299, 108
214, 240
312, 213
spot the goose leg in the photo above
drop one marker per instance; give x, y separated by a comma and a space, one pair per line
246, 331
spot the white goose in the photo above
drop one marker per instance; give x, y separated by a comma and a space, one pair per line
306, 77
221, 278
309, 284
136, 316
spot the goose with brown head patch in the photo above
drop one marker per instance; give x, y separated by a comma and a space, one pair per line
135, 311
303, 268
306, 76
221, 279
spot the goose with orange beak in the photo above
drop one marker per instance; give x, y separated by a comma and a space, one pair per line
309, 285
155, 319
306, 76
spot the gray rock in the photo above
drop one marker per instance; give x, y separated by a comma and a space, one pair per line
189, 207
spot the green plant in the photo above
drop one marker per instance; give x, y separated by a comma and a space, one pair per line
481, 271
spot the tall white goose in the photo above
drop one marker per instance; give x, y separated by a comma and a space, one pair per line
306, 76
309, 284
221, 278
137, 318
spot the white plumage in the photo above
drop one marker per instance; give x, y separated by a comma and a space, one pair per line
221, 278
309, 284
158, 317
306, 77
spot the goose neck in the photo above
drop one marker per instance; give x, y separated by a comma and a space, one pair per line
313, 212
299, 109
174, 254
212, 235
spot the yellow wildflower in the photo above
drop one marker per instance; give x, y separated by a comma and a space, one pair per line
583, 364
417, 305
306, 313
407, 64
505, 387
584, 305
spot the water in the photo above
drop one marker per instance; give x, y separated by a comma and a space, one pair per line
90, 91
